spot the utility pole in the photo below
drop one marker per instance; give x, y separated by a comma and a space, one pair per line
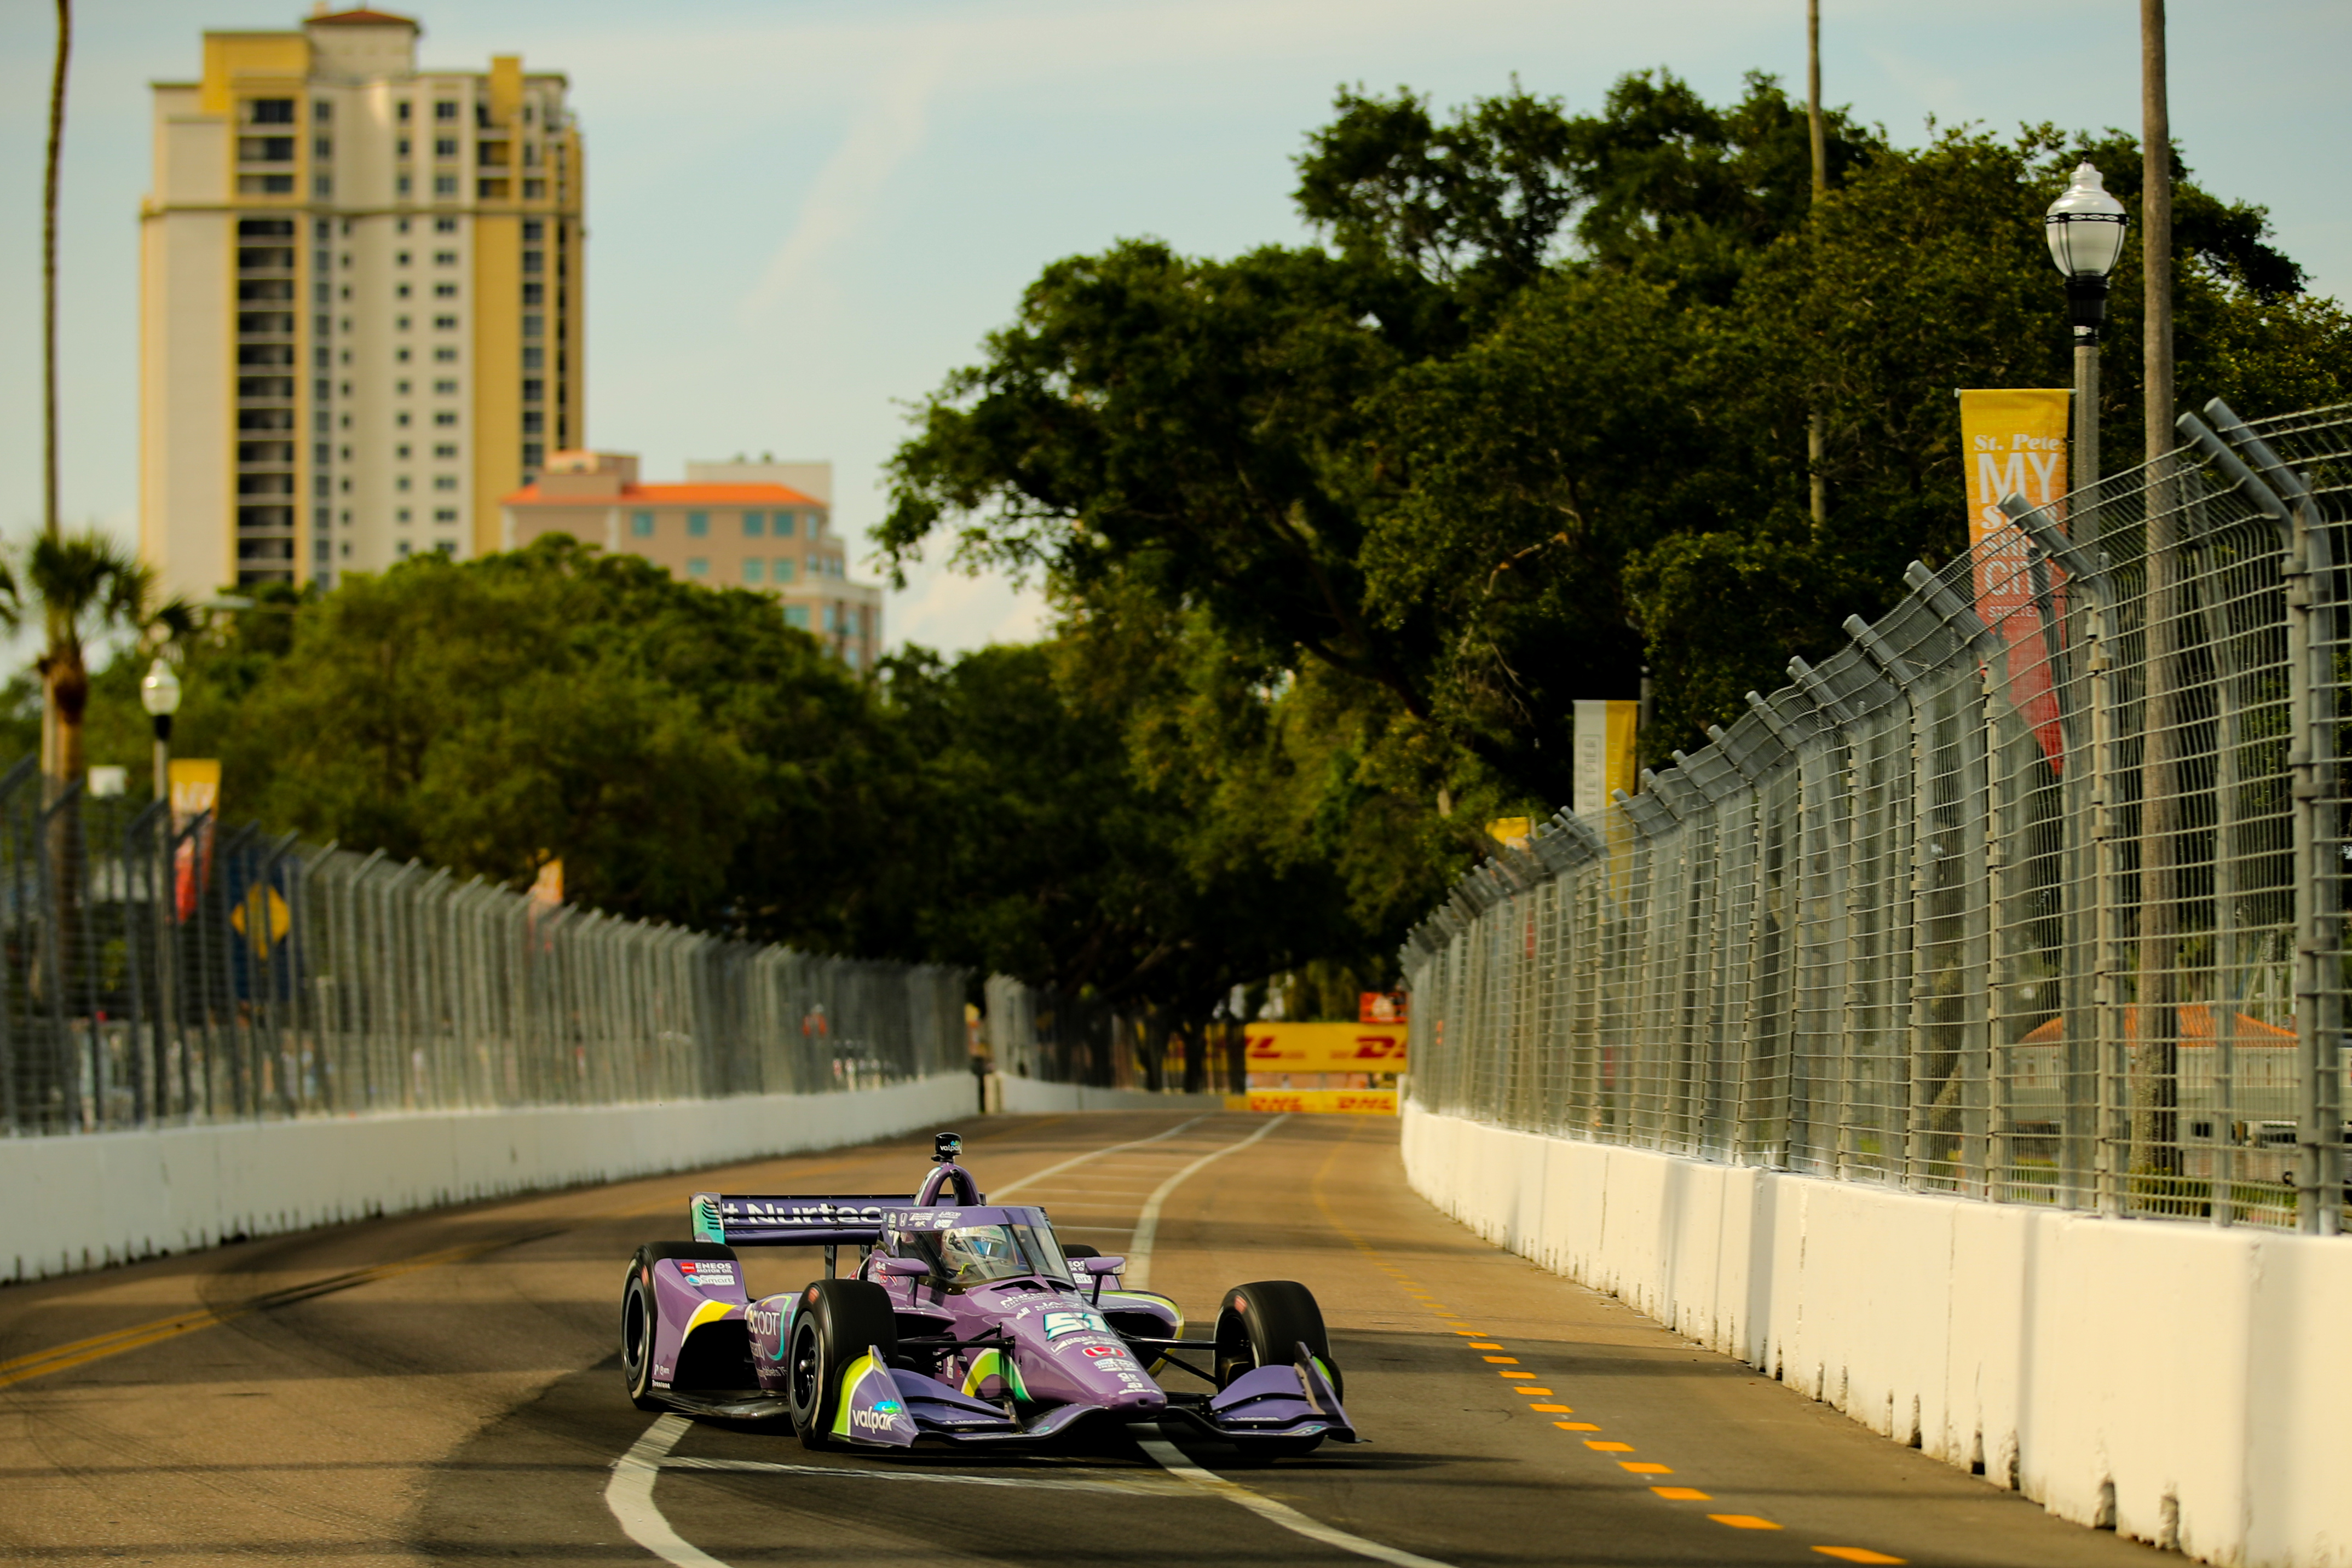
2156, 229
2156, 1088
1816, 439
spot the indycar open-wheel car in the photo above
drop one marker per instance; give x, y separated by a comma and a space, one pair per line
964, 1323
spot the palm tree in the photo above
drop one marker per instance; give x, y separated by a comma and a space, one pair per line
81, 585
53, 778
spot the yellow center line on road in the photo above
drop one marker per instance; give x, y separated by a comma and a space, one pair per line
97, 1347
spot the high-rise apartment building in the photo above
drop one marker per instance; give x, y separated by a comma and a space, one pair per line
362, 297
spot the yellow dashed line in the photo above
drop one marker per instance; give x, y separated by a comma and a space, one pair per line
1743, 1521
1685, 1494
1576, 1426
1857, 1554
1515, 1374
1644, 1468
1502, 1361
1483, 1347
1550, 1409
1604, 1445
1534, 1393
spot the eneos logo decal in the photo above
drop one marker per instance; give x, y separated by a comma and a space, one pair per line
1101, 1351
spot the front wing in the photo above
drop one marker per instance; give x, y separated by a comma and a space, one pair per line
889, 1407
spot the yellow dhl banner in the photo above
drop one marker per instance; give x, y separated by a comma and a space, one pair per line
1317, 1102
1326, 1048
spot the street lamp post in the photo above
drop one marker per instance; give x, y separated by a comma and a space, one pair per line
159, 693
2085, 231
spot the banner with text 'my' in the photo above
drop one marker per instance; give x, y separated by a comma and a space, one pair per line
2014, 443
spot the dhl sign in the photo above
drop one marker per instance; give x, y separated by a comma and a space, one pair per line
1317, 1102
1326, 1048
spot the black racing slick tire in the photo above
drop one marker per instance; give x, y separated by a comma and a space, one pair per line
1263, 1324
637, 1314
837, 1320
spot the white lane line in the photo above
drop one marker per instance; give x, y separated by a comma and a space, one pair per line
630, 1495
1146, 1485
1172, 1459
1138, 1273
1095, 1154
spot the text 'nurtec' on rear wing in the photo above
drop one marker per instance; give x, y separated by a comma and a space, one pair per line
790, 1221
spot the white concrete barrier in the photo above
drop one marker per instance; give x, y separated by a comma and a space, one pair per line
85, 1201
2188, 1385
1028, 1096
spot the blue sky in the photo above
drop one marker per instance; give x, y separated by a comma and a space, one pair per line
803, 213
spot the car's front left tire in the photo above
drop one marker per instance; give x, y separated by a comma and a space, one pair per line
836, 1321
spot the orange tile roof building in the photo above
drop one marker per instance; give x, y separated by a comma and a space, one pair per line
730, 525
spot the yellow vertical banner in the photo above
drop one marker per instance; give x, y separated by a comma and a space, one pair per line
1604, 754
2014, 441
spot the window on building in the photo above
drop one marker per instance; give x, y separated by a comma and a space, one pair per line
404, 115
444, 110
273, 111
785, 571
698, 566
445, 185
640, 525
534, 190
322, 147
400, 258
754, 525
796, 616
402, 483
403, 148
445, 225
445, 416
401, 452
400, 389
445, 514
400, 291
445, 323
402, 515
406, 184
446, 355
754, 569
534, 327
534, 357
445, 388
785, 524
447, 546
446, 449
403, 547
445, 481
698, 525
534, 262
444, 147
534, 454
534, 293
322, 185
534, 391
534, 421
444, 259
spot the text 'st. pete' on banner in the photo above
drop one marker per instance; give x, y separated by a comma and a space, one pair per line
2014, 443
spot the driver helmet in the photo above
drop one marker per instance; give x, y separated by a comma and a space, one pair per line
984, 1249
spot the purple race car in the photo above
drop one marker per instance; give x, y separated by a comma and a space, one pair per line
964, 1323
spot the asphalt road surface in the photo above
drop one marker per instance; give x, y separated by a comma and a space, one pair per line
444, 1387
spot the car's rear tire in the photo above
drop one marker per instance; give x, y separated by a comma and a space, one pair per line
638, 1318
1263, 1324
837, 1320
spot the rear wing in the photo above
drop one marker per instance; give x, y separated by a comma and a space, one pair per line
733, 1220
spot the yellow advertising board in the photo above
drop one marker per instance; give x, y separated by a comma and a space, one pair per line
1326, 1048
2014, 441
1603, 759
1317, 1102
